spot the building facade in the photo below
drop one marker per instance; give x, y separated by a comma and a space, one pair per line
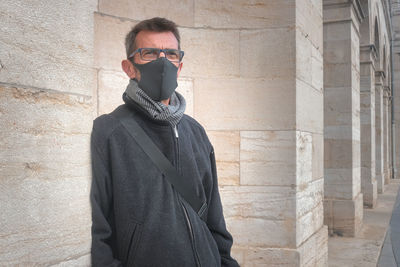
300, 98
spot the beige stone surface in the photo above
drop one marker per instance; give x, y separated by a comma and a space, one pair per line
268, 158
253, 231
47, 46
109, 41
244, 14
271, 257
181, 11
309, 61
314, 251
256, 61
344, 217
308, 224
309, 108
303, 159
272, 203
309, 22
210, 53
244, 104
317, 156
111, 86
45, 167
227, 146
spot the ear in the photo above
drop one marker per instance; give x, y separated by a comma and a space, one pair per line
179, 69
128, 68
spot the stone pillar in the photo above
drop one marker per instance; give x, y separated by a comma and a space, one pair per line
367, 120
343, 204
379, 163
385, 133
46, 107
253, 73
396, 84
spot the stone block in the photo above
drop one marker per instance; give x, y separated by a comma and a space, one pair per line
227, 146
309, 223
268, 53
50, 48
303, 159
181, 11
309, 62
317, 156
45, 181
336, 31
314, 251
338, 153
344, 217
338, 183
244, 14
341, 14
348, 214
83, 260
272, 257
337, 52
309, 21
109, 40
268, 158
210, 53
249, 104
274, 203
370, 192
185, 88
337, 75
112, 85
309, 197
309, 108
262, 232
338, 107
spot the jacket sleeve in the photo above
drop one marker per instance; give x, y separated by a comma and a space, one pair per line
101, 203
216, 221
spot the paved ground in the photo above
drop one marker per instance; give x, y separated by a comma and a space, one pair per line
364, 250
390, 253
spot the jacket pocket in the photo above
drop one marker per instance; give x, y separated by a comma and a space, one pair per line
131, 243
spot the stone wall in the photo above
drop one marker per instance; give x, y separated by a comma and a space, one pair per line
46, 110
252, 76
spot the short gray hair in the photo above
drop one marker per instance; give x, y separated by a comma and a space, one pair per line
156, 24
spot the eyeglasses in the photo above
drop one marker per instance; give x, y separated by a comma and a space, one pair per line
150, 54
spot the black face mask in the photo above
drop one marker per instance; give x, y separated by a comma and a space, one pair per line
158, 78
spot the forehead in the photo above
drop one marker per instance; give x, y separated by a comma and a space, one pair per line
156, 40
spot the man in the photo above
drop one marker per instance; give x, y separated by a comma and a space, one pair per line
139, 219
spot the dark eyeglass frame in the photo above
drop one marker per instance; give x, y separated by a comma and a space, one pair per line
159, 50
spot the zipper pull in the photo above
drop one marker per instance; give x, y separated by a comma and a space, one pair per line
176, 131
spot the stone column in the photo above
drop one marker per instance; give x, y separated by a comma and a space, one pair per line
367, 119
396, 85
46, 108
379, 163
343, 204
385, 133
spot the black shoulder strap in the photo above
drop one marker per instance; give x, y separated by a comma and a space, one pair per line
181, 185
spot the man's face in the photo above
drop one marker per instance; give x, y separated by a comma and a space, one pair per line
148, 39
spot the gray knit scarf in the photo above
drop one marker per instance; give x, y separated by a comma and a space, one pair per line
159, 111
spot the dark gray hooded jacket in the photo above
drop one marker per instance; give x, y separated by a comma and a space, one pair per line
138, 218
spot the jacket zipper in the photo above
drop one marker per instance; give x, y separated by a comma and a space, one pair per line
183, 207
191, 235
